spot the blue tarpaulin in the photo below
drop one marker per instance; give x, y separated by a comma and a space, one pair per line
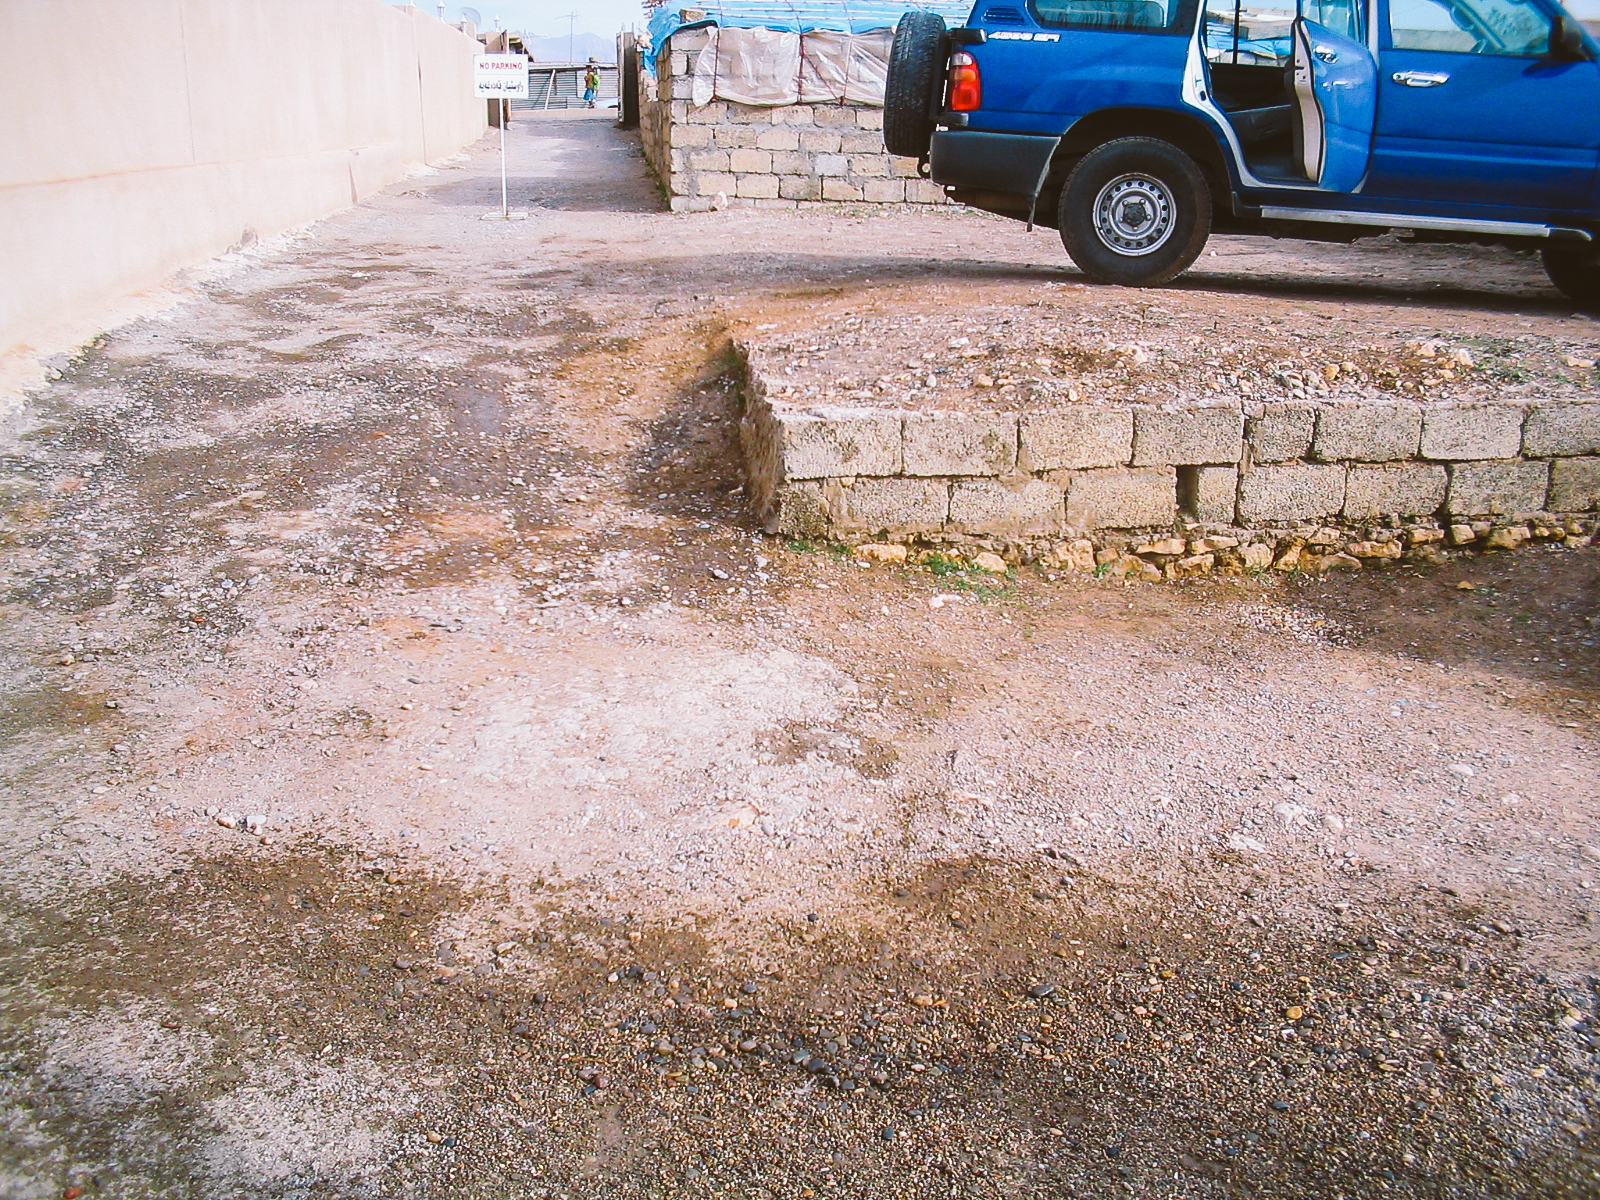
806, 16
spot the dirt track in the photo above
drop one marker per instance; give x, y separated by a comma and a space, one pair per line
609, 848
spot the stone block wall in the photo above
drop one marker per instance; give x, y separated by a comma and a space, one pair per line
1373, 480
726, 155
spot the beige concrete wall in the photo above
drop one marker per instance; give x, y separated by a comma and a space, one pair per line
138, 137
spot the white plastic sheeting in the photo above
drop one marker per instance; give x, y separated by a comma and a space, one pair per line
769, 68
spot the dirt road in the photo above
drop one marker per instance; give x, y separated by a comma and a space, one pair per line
419, 778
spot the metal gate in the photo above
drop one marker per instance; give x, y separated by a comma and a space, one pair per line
560, 85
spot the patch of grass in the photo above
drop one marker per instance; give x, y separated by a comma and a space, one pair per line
802, 546
958, 576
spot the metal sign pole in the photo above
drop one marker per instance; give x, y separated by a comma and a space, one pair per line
500, 78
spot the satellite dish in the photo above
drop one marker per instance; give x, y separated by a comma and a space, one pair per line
472, 14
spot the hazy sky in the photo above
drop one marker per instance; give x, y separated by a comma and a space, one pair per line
547, 18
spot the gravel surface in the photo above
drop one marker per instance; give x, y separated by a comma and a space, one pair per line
418, 778
1070, 344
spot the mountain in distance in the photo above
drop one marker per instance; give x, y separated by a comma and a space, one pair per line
584, 47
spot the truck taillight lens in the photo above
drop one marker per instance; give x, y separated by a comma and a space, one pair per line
966, 85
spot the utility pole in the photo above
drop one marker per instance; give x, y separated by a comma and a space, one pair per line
572, 19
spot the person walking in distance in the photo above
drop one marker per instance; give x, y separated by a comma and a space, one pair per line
591, 84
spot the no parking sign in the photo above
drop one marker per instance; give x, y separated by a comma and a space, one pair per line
501, 76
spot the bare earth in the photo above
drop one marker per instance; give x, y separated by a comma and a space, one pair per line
418, 777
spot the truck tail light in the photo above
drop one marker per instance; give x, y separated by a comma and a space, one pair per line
966, 84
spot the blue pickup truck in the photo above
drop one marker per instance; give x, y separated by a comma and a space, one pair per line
1137, 127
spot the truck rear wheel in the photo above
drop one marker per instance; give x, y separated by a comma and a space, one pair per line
1135, 211
916, 68
1575, 270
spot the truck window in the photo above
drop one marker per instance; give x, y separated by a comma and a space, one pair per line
1258, 34
1145, 16
1511, 28
1254, 35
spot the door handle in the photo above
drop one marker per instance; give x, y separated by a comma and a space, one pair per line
1420, 78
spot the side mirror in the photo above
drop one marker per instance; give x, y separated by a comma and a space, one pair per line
1566, 40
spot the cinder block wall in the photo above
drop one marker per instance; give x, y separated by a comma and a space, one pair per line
733, 155
1357, 480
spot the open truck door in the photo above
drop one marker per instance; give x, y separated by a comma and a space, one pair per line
1335, 106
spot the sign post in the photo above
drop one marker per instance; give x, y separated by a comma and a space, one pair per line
503, 78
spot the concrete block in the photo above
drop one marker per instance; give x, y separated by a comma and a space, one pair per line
745, 162
749, 114
834, 116
798, 510
681, 87
925, 191
884, 191
863, 143
736, 137
788, 162
832, 164
708, 160
779, 137
714, 113
819, 141
1280, 432
1497, 488
1076, 439
794, 114
906, 168
688, 136
1122, 499
869, 166
838, 189
799, 187
825, 443
677, 62
898, 504
946, 443
758, 187
711, 183
691, 40
678, 113
1015, 506
1187, 436
869, 118
1452, 432
1574, 485
1291, 492
1367, 432
1562, 429
1406, 489
1217, 496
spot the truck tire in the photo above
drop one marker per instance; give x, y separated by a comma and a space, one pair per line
916, 69
1575, 270
1135, 211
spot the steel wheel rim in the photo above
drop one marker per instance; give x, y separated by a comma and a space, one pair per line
1134, 215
